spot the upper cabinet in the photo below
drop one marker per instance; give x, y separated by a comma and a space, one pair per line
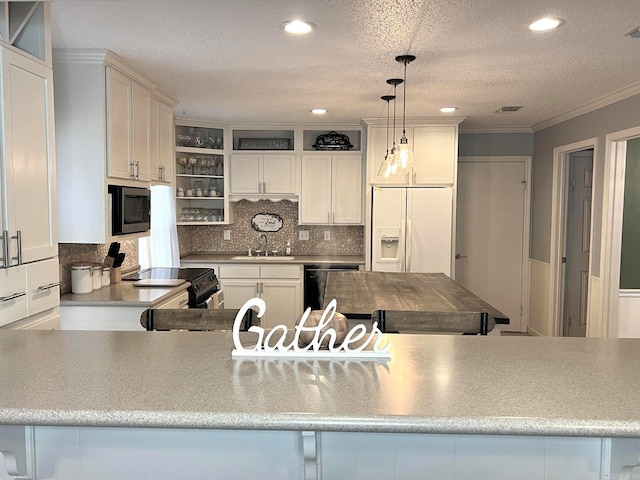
24, 26
110, 130
27, 161
202, 178
161, 160
435, 148
265, 174
331, 189
128, 126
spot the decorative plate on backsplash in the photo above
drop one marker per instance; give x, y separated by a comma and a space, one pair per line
267, 222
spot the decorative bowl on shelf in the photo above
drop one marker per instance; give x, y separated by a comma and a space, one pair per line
332, 141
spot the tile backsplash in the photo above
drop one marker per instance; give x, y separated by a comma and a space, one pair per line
344, 240
69, 253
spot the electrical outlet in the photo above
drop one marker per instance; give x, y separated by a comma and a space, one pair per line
227, 234
303, 235
327, 235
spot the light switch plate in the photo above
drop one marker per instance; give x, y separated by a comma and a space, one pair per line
303, 235
227, 234
327, 235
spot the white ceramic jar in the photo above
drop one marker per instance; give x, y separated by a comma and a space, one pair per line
106, 276
81, 277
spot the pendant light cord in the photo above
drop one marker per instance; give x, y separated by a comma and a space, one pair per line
404, 98
388, 110
394, 114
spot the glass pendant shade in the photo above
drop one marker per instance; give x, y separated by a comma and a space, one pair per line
405, 154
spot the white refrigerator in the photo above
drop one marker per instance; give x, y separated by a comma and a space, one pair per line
411, 229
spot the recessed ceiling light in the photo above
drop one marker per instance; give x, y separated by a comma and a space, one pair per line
448, 109
545, 24
319, 111
297, 27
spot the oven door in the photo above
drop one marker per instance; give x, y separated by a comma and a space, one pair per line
214, 301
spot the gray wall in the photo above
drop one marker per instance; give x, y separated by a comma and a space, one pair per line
495, 144
612, 118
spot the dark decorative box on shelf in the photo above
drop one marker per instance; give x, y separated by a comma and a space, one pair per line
332, 141
264, 144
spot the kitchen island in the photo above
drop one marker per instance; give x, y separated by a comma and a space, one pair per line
176, 404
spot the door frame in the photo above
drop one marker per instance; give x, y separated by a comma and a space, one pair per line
559, 192
611, 236
524, 294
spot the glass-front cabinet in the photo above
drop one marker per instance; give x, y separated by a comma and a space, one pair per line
201, 174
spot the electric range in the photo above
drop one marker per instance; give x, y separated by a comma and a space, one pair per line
204, 282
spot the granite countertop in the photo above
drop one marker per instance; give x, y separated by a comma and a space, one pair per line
123, 294
296, 260
432, 384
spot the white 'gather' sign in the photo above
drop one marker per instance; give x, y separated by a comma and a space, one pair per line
273, 343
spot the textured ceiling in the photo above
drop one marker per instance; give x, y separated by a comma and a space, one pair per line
228, 60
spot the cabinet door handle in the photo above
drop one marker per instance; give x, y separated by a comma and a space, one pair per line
18, 239
5, 249
132, 169
137, 169
12, 296
48, 286
414, 177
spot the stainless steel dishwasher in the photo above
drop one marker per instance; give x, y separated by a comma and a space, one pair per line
315, 279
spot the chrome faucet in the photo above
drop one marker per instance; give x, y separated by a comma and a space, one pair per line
263, 244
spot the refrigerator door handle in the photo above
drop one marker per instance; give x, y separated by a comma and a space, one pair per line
408, 246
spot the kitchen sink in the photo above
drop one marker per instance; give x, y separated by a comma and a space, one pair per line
259, 259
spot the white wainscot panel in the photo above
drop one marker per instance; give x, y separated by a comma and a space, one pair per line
68, 453
539, 323
628, 314
365, 456
595, 328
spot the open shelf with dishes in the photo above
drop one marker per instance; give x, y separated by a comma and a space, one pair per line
336, 140
201, 176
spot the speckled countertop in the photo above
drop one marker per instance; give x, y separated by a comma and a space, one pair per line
123, 294
432, 384
297, 259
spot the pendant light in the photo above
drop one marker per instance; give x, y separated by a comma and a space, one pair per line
393, 154
404, 152
385, 166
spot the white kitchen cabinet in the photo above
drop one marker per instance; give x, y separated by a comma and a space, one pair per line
27, 161
103, 125
128, 126
263, 174
435, 148
161, 159
331, 189
280, 286
28, 290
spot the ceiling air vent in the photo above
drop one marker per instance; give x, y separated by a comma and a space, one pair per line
635, 33
509, 109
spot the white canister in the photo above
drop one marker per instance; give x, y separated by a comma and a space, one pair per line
106, 276
81, 277
96, 275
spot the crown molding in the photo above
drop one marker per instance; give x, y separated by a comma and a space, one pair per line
413, 121
482, 129
613, 97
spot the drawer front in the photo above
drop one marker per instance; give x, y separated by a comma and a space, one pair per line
43, 286
239, 271
13, 294
281, 271
180, 301
49, 320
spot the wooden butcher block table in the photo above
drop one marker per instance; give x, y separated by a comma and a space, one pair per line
411, 302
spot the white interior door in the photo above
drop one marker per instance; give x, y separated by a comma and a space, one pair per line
577, 243
490, 229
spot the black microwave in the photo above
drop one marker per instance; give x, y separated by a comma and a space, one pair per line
130, 209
